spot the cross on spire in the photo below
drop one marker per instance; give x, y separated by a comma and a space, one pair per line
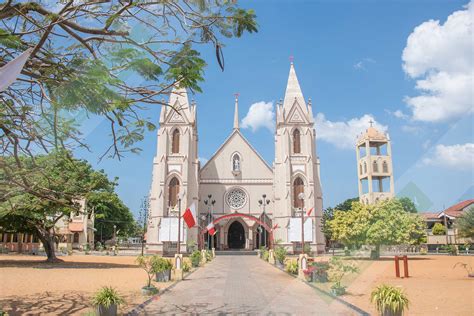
236, 95
291, 58
371, 122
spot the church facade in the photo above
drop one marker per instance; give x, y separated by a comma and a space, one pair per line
250, 202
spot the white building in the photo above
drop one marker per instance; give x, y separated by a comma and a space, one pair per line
236, 181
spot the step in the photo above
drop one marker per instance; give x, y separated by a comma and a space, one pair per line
236, 252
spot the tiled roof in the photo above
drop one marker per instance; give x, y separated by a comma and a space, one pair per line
76, 227
456, 209
429, 215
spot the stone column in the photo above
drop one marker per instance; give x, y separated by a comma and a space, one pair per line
302, 265
178, 264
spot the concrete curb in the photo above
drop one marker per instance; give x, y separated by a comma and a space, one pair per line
136, 310
329, 294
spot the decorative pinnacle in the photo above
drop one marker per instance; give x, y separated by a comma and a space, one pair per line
371, 122
291, 59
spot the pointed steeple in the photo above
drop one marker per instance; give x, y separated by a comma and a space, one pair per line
179, 94
293, 91
236, 112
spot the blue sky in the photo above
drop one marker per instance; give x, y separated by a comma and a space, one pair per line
349, 60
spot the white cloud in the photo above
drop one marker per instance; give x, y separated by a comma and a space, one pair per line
260, 114
459, 156
344, 134
362, 65
441, 59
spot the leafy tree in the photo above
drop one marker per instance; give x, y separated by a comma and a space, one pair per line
439, 229
112, 59
328, 215
408, 205
34, 211
109, 211
346, 205
382, 224
465, 223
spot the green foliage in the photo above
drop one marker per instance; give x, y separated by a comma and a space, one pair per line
209, 255
196, 258
61, 181
265, 254
382, 224
109, 211
346, 205
163, 264
389, 300
151, 265
186, 267
292, 267
465, 223
338, 268
106, 297
438, 229
280, 253
451, 249
408, 205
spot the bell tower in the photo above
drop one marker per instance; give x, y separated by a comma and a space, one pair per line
297, 185
375, 172
175, 170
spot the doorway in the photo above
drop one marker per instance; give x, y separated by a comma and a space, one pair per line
236, 236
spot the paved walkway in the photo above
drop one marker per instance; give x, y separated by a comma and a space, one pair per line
243, 285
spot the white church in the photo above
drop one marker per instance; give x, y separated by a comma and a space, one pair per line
251, 203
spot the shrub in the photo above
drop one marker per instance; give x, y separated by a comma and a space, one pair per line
438, 229
338, 268
186, 266
150, 264
320, 272
265, 254
107, 296
292, 267
280, 253
195, 258
389, 300
162, 264
209, 255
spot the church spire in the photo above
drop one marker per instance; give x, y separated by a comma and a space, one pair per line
236, 112
293, 90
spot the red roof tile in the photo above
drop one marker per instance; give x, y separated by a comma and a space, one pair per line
456, 209
76, 227
429, 215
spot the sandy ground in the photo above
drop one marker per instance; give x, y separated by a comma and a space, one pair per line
433, 288
29, 286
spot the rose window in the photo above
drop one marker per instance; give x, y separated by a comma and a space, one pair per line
236, 198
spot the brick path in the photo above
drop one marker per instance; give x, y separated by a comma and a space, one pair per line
243, 285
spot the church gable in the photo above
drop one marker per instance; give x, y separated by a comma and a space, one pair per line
250, 164
177, 114
297, 115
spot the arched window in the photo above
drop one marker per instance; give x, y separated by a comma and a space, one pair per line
375, 167
175, 142
365, 167
173, 191
296, 141
298, 187
75, 238
360, 168
236, 163
385, 166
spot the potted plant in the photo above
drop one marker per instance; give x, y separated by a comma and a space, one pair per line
280, 255
467, 267
163, 270
106, 301
150, 265
292, 267
389, 300
320, 273
195, 258
338, 268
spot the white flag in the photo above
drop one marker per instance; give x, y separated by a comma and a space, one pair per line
11, 71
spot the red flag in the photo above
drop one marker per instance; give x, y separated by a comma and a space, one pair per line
211, 229
309, 211
189, 216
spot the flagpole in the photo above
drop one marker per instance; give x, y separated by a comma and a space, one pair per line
179, 226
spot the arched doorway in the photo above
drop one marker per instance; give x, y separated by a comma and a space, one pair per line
236, 236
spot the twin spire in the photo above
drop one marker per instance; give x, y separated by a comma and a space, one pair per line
236, 112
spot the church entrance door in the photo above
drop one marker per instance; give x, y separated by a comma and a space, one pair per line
236, 236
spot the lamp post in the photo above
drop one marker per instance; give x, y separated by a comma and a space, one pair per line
144, 215
178, 250
264, 202
301, 198
210, 204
